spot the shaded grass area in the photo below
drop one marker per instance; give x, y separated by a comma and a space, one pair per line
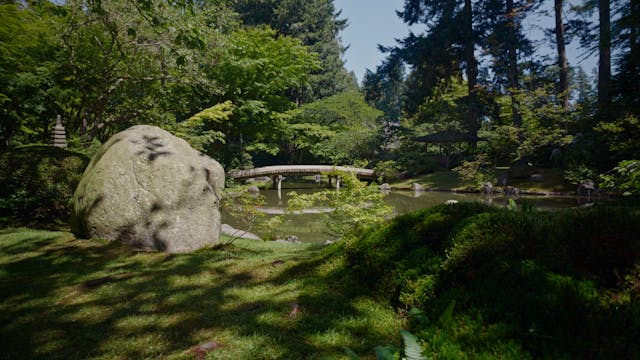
552, 181
494, 283
74, 299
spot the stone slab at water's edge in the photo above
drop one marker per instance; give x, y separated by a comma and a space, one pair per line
150, 189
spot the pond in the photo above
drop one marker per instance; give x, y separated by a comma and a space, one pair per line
310, 227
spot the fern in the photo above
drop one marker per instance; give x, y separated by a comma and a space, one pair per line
412, 348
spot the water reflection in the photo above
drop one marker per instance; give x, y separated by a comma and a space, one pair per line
309, 226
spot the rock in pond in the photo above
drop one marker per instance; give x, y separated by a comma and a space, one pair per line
253, 190
150, 189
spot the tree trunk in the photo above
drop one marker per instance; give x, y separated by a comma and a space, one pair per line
634, 27
604, 64
563, 85
471, 72
512, 55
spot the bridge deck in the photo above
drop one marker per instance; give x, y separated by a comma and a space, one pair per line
298, 170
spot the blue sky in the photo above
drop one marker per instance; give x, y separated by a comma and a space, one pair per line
373, 22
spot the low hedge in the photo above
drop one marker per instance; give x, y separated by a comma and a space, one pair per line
37, 183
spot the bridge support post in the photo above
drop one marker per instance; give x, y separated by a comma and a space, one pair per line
278, 180
337, 183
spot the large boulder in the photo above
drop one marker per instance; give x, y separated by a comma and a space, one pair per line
150, 189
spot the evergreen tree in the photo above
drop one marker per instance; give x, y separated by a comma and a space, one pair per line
626, 84
563, 66
442, 52
604, 55
505, 41
383, 89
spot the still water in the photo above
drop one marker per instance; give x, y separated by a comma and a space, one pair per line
311, 227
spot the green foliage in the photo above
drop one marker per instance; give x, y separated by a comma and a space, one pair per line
624, 178
197, 130
37, 183
412, 348
316, 24
259, 65
503, 144
256, 67
443, 110
388, 171
398, 254
621, 135
245, 208
579, 173
29, 72
356, 205
544, 126
339, 129
105, 66
521, 280
384, 90
477, 171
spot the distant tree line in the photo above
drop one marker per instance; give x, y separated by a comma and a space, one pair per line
475, 71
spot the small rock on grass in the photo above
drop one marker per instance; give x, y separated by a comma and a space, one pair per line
200, 351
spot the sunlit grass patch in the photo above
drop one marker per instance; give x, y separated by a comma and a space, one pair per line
441, 180
69, 298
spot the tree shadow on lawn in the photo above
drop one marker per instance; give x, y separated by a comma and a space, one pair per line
65, 298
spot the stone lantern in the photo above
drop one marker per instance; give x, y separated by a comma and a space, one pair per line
59, 136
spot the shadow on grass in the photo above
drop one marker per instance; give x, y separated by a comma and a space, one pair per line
68, 298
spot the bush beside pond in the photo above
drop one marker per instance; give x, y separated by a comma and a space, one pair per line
521, 284
37, 183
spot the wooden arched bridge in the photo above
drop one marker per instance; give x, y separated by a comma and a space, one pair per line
277, 172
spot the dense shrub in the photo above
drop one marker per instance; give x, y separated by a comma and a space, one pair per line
412, 244
37, 183
531, 284
388, 171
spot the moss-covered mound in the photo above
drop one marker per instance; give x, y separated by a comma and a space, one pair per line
37, 183
520, 284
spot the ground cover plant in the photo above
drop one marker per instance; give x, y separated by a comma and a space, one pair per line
64, 298
500, 283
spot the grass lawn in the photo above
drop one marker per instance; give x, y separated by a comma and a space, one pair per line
65, 298
441, 180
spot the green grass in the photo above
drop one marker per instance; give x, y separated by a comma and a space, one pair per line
441, 180
553, 181
65, 298
492, 283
